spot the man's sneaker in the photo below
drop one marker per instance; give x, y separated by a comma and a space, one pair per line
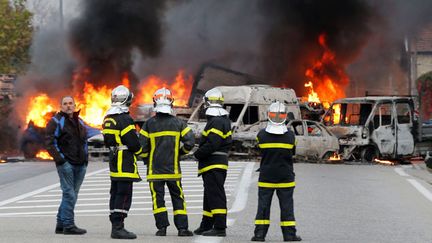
184, 232
215, 232
161, 232
122, 234
200, 230
256, 238
73, 230
292, 238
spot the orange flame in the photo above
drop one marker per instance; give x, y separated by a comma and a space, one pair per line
40, 107
326, 88
384, 162
312, 96
335, 157
180, 88
94, 104
43, 154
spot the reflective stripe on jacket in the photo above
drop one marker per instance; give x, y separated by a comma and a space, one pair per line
119, 130
161, 138
276, 168
215, 144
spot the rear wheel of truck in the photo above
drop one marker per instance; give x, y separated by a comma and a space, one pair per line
369, 154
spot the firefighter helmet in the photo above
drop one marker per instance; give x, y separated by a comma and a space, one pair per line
213, 102
163, 101
121, 96
277, 115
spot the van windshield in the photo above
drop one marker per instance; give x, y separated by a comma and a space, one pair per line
348, 114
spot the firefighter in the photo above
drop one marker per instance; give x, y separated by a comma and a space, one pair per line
121, 138
277, 146
164, 138
212, 156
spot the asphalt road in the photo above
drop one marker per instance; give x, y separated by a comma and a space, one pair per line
333, 203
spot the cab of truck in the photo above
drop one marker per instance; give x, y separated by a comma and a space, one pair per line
369, 128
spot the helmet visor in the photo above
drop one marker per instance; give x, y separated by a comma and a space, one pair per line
277, 117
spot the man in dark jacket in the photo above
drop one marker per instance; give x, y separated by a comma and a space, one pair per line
277, 145
121, 138
66, 142
212, 156
161, 138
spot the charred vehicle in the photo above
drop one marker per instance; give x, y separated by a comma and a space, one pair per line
247, 106
369, 128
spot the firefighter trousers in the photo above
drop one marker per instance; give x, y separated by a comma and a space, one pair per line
286, 203
120, 200
157, 189
215, 202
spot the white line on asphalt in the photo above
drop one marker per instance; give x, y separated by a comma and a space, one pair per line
401, 172
97, 198
243, 191
43, 189
135, 188
421, 189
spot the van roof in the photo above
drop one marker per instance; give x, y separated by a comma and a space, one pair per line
258, 94
372, 99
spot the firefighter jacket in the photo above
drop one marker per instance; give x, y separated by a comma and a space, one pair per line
121, 138
276, 168
160, 137
215, 144
66, 139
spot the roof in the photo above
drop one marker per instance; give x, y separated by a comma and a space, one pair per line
371, 99
258, 94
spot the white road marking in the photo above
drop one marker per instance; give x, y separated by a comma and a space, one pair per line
43, 189
400, 171
426, 193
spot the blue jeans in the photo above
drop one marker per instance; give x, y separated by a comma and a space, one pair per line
71, 178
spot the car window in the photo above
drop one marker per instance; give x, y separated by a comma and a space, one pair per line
314, 130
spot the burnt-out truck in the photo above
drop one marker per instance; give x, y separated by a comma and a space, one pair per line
378, 127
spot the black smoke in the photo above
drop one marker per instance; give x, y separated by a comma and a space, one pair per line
107, 32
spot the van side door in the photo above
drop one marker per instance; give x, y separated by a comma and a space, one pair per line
404, 137
384, 134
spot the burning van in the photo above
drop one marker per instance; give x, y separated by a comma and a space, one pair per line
369, 128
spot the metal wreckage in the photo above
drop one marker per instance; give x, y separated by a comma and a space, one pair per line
361, 129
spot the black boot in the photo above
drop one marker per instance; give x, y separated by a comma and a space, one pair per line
289, 233
201, 230
59, 229
161, 231
215, 232
260, 233
184, 232
73, 230
119, 232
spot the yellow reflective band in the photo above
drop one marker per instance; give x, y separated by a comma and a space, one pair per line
276, 185
182, 197
215, 98
210, 167
182, 212
114, 132
124, 175
139, 151
164, 133
120, 161
288, 223
127, 129
153, 194
217, 132
257, 139
110, 120
207, 214
164, 176
295, 143
185, 150
276, 145
143, 155
144, 133
262, 221
219, 211
159, 210
185, 131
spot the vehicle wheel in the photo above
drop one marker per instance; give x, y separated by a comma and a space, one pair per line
369, 154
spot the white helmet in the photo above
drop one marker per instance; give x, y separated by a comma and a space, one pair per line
121, 95
277, 115
121, 99
213, 102
163, 101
